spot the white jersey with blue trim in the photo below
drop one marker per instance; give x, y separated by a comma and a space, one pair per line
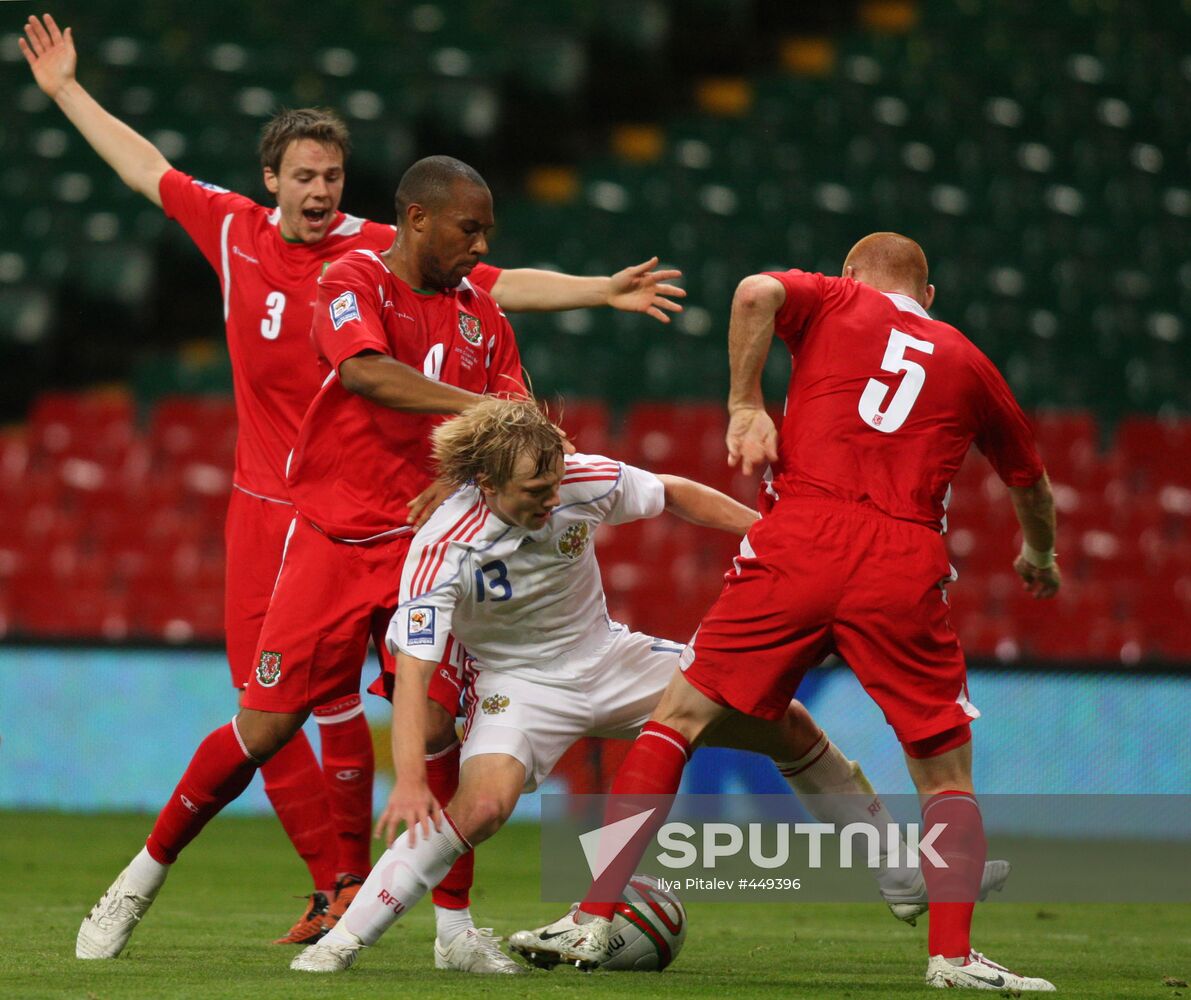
520, 601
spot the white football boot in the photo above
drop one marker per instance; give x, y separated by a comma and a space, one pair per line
910, 904
106, 929
980, 973
334, 953
476, 950
582, 945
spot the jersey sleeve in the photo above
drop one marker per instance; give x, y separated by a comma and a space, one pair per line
485, 276
1004, 435
804, 296
347, 314
200, 208
431, 587
623, 492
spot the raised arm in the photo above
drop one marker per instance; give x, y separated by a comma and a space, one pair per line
411, 801
706, 507
639, 288
387, 382
51, 55
752, 437
1035, 510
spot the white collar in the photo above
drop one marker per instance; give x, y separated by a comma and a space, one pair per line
906, 304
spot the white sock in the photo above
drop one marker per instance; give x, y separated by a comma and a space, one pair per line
401, 877
146, 876
835, 790
450, 924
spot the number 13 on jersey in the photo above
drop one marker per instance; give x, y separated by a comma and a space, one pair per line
895, 361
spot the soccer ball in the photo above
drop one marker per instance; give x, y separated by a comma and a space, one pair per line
648, 928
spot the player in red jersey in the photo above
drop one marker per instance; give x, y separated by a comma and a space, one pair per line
882, 406
403, 338
268, 261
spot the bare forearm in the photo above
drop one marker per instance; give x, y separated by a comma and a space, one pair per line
138, 162
409, 715
706, 507
750, 332
1035, 510
528, 289
390, 383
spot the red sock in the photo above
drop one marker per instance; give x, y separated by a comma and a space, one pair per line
442, 775
654, 767
348, 767
953, 890
294, 784
218, 772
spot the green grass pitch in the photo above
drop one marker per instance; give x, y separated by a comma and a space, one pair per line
208, 934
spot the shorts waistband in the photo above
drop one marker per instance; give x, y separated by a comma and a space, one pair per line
803, 501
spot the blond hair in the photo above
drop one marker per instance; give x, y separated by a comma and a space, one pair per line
486, 441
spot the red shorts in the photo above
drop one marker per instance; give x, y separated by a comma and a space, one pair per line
255, 537
331, 597
832, 577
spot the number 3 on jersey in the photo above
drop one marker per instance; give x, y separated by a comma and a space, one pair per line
271, 324
895, 361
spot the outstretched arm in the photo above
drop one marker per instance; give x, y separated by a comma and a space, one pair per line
752, 437
1035, 510
411, 801
635, 289
388, 382
51, 55
706, 507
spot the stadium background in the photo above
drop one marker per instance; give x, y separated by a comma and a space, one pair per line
1046, 179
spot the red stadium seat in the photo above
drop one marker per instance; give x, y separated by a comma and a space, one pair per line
588, 424
1152, 453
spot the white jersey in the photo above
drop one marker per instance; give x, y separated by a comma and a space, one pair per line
520, 601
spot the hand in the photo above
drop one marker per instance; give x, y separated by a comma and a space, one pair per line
1040, 583
641, 289
427, 502
568, 446
752, 438
410, 803
49, 53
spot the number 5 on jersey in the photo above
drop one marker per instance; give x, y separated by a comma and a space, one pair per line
895, 361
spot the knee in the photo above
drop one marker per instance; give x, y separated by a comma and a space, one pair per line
263, 734
484, 815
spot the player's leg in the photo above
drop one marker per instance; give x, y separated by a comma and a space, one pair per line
489, 787
899, 643
255, 536
348, 768
219, 771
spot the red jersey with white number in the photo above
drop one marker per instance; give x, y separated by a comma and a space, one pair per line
884, 402
357, 464
269, 288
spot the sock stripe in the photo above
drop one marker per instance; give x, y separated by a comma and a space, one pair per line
942, 797
330, 720
454, 829
682, 747
790, 769
443, 753
242, 744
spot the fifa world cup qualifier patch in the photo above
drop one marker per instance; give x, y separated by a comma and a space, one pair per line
469, 328
268, 670
344, 308
419, 627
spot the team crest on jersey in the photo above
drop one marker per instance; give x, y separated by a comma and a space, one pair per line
420, 627
574, 540
470, 329
494, 704
268, 670
343, 309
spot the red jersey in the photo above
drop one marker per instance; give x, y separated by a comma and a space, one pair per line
269, 288
884, 402
356, 464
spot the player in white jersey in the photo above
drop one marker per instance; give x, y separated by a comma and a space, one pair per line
506, 566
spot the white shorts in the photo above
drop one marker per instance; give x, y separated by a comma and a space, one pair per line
537, 723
